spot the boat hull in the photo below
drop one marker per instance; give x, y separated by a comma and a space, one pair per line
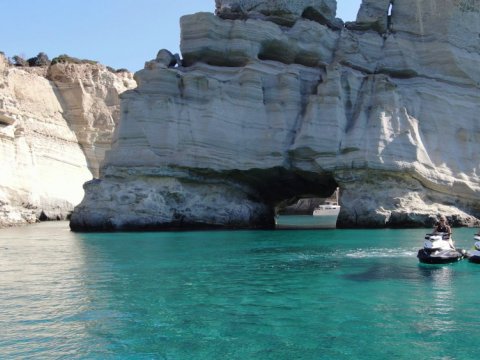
306, 222
443, 257
474, 259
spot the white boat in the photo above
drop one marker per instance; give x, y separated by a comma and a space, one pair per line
324, 216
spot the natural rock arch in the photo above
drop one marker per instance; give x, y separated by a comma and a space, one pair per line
255, 105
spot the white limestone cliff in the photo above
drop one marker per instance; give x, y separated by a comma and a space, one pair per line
53, 133
261, 110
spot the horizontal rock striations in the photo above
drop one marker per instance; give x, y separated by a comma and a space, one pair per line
55, 124
271, 103
90, 97
280, 12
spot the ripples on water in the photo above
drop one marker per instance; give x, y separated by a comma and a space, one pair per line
232, 295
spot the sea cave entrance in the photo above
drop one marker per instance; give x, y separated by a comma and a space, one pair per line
289, 191
302, 205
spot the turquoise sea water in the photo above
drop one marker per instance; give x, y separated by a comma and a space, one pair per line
328, 294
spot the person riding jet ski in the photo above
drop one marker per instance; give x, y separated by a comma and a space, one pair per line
443, 227
438, 247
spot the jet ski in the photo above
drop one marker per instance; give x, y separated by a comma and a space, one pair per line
474, 254
437, 250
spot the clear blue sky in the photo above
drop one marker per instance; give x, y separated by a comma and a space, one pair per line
118, 33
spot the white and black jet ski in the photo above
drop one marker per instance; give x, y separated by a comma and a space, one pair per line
437, 250
474, 254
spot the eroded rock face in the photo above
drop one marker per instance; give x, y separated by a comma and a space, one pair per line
90, 97
280, 12
211, 40
386, 108
52, 136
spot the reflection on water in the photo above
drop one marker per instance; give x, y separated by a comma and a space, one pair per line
444, 308
442, 301
236, 295
42, 285
443, 295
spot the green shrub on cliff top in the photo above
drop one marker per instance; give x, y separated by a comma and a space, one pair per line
19, 61
66, 59
112, 70
40, 60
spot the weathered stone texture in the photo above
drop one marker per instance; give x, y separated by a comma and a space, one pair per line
53, 134
280, 12
261, 112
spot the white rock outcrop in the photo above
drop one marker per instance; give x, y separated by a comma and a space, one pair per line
53, 134
262, 110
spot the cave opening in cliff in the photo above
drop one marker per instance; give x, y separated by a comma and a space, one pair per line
305, 203
317, 210
296, 192
280, 188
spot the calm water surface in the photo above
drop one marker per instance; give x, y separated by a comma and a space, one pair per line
331, 294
